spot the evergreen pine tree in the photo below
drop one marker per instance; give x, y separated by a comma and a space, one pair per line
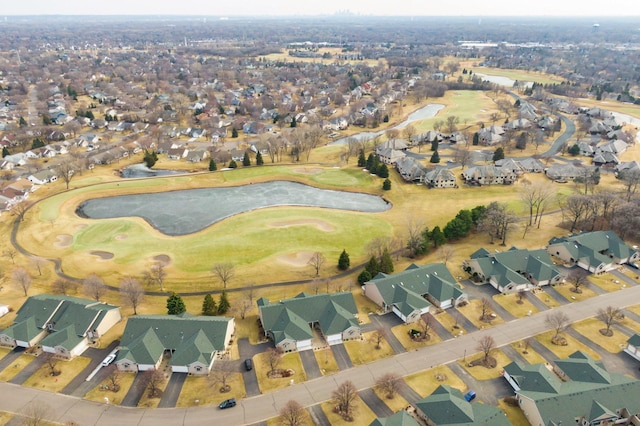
386, 185
363, 277
437, 237
370, 161
233, 164
383, 171
246, 161
574, 150
435, 158
343, 261
476, 139
175, 304
293, 122
521, 143
259, 160
234, 133
498, 154
362, 162
386, 263
223, 304
212, 165
434, 144
22, 122
5, 151
209, 307
373, 267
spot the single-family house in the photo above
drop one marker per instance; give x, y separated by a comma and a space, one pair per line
197, 155
531, 165
633, 346
490, 135
389, 155
177, 153
412, 292
290, 322
513, 270
43, 177
510, 164
578, 390
448, 406
596, 252
192, 343
410, 169
627, 167
62, 325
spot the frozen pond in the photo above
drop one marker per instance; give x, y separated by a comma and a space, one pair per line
142, 171
425, 112
191, 210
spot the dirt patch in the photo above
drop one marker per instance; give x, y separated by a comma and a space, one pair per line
308, 170
320, 224
63, 240
103, 255
296, 260
162, 258
121, 237
81, 226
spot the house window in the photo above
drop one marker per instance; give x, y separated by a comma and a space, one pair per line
198, 368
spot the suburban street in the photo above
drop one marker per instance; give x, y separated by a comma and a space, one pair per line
63, 408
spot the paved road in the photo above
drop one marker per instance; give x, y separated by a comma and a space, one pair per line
255, 409
556, 146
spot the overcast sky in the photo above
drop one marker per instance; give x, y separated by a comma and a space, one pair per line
324, 7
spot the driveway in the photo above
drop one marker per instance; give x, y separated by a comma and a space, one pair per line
342, 357
386, 322
172, 391
133, 396
28, 371
373, 401
318, 417
552, 292
310, 364
79, 386
10, 357
247, 350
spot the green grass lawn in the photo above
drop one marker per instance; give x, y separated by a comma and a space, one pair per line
532, 357
426, 381
472, 311
98, 393
564, 351
520, 75
326, 361
364, 351
363, 414
15, 367
510, 303
42, 378
289, 361
205, 392
402, 334
590, 329
482, 373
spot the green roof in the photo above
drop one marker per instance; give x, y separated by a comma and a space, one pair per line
61, 314
408, 288
401, 418
596, 247
193, 338
291, 318
589, 391
447, 406
634, 340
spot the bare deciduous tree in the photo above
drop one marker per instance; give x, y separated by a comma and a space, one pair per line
486, 307
389, 383
609, 316
274, 358
65, 287
446, 252
242, 307
536, 197
221, 374
155, 275
51, 363
94, 287
36, 413
132, 293
19, 210
114, 378
224, 272
577, 278
152, 380
316, 261
22, 279
344, 399
378, 336
293, 414
11, 254
558, 321
66, 169
426, 324
486, 344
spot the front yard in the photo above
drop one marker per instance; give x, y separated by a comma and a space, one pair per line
290, 361
563, 352
42, 379
510, 303
364, 351
425, 382
198, 390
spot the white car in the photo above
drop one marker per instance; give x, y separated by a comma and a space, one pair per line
108, 360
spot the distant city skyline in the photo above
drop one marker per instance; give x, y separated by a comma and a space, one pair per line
569, 8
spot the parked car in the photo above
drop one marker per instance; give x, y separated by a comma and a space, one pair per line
634, 265
108, 360
470, 396
248, 364
228, 403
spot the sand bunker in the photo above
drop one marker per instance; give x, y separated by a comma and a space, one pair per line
103, 255
297, 260
63, 240
162, 258
320, 224
308, 170
121, 237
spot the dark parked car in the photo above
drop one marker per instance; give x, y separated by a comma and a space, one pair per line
248, 364
634, 265
228, 403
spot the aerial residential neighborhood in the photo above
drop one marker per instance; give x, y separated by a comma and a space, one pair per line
376, 216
